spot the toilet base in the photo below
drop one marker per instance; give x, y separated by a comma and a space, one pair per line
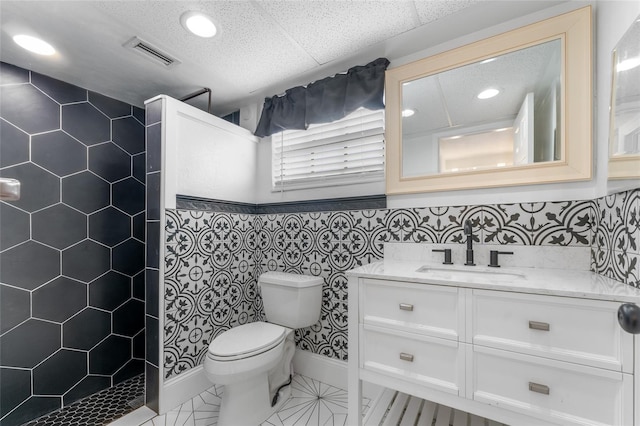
245, 402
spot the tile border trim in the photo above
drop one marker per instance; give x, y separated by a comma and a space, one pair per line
372, 202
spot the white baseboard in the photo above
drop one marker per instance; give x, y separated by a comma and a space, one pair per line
179, 390
321, 368
328, 370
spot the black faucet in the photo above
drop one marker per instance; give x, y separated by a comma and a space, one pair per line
468, 231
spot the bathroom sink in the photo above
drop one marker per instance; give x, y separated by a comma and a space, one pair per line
452, 273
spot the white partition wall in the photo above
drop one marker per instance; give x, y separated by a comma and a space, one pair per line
206, 156
194, 154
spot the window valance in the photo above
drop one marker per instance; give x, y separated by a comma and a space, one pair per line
325, 100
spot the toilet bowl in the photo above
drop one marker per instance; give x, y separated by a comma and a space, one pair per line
241, 360
254, 361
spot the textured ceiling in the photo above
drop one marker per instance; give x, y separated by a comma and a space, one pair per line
263, 46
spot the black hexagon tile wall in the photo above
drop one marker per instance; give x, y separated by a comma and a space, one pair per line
72, 248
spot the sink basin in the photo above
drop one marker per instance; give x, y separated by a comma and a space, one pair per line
452, 273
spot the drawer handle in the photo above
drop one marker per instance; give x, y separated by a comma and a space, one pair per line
406, 307
535, 325
536, 387
406, 357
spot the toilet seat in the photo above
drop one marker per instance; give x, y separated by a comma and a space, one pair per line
246, 341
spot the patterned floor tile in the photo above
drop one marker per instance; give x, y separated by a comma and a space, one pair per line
312, 403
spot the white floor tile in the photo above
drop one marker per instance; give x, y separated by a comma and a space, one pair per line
312, 403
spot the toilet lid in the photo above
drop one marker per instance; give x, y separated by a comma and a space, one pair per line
247, 339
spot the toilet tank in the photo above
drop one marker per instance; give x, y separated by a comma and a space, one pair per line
291, 300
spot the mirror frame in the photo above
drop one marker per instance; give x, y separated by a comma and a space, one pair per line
627, 166
573, 29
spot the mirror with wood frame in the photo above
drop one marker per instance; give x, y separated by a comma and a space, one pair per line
624, 136
513, 109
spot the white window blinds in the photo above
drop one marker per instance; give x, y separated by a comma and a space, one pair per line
350, 150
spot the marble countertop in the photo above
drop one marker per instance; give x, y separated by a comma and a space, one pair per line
555, 282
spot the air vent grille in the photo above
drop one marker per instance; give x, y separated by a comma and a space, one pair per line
151, 52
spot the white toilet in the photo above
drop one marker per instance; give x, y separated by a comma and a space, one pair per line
253, 361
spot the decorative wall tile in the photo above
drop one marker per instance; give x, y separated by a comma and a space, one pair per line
210, 284
422, 225
562, 223
616, 237
327, 244
451, 221
629, 239
51, 264
507, 224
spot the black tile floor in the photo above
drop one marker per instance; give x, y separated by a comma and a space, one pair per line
100, 408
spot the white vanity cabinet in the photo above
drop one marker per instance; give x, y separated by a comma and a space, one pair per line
413, 333
497, 351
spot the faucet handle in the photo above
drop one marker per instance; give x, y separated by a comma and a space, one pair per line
447, 256
493, 257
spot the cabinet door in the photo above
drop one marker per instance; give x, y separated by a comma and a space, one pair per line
552, 390
418, 308
575, 330
428, 361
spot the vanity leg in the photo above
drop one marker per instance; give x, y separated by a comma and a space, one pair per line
354, 384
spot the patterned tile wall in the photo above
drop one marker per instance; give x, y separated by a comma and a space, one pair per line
616, 243
210, 282
218, 247
71, 249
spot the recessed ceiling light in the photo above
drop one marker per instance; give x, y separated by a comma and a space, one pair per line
198, 24
489, 93
33, 44
407, 113
486, 61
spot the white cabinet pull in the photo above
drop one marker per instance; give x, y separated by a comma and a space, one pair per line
536, 387
406, 357
406, 307
535, 325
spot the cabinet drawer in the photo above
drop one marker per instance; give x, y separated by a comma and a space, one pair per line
574, 330
552, 390
429, 361
417, 308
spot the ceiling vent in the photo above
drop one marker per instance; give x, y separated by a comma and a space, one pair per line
151, 52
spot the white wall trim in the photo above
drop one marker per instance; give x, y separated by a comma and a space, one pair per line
321, 368
330, 371
180, 389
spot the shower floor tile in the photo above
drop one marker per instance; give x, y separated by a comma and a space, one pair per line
100, 408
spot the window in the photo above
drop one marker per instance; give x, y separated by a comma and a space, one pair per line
350, 150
